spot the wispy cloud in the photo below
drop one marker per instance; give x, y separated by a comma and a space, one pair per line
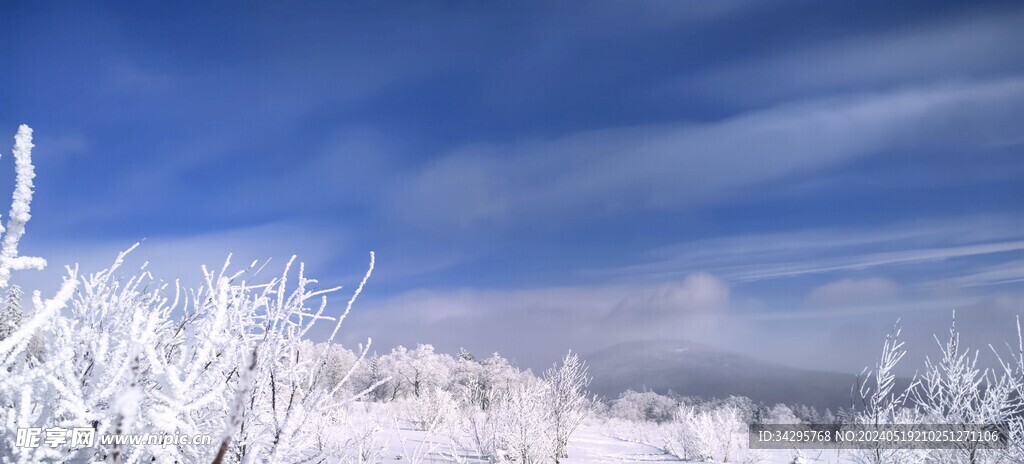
961, 48
754, 257
677, 166
874, 260
1009, 272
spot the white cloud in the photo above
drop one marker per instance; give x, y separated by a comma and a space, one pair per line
853, 291
537, 323
697, 294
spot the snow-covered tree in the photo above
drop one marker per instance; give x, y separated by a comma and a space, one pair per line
497, 376
953, 390
878, 401
466, 377
1013, 372
433, 409
419, 369
644, 406
10, 312
782, 414
338, 362
567, 399
524, 424
381, 386
809, 414
478, 383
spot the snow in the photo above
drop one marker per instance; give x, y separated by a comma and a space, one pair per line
590, 444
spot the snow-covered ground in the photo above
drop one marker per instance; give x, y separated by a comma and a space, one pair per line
593, 442
590, 444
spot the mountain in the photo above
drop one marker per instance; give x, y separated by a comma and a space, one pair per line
692, 369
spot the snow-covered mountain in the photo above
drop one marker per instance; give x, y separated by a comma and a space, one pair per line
689, 368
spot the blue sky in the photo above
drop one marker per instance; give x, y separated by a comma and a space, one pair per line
761, 176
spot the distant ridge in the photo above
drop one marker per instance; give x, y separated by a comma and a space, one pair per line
692, 369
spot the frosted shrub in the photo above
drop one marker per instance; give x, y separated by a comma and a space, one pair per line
433, 410
881, 403
523, 419
882, 455
647, 433
480, 383
644, 406
338, 362
132, 354
524, 424
517, 427
953, 390
360, 438
566, 400
483, 433
418, 370
712, 435
782, 414
230, 365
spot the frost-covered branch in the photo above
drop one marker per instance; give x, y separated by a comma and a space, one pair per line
21, 201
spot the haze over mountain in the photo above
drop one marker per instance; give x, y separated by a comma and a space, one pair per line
693, 369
